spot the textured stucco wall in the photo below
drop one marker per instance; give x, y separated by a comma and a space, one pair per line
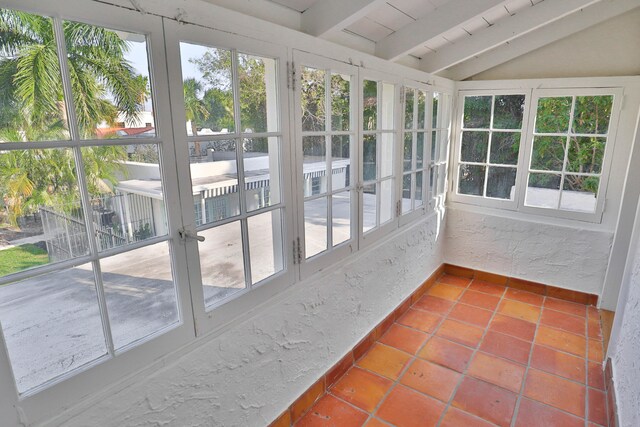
625, 351
250, 373
556, 255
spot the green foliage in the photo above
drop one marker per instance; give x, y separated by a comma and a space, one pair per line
21, 257
143, 232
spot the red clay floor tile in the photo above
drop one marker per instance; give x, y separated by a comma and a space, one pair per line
403, 338
535, 414
595, 375
506, 346
524, 296
332, 412
462, 282
519, 310
487, 287
512, 326
460, 332
431, 379
478, 299
457, 418
449, 292
362, 388
446, 353
485, 400
561, 340
433, 304
384, 360
421, 320
497, 371
566, 306
567, 322
470, 314
404, 407
597, 407
555, 391
558, 363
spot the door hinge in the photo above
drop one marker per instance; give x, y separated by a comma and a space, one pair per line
297, 251
291, 75
398, 208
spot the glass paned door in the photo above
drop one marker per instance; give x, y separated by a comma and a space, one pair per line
229, 103
325, 100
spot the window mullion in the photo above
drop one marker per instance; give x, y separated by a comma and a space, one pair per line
72, 124
329, 166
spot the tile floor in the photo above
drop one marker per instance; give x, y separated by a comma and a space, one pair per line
473, 353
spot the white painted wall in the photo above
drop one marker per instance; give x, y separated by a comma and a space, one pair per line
607, 49
247, 375
532, 249
624, 347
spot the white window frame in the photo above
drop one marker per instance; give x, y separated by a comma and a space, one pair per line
332, 254
596, 216
222, 312
63, 391
436, 197
456, 162
374, 234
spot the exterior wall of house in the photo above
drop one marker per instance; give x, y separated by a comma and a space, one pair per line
247, 375
607, 49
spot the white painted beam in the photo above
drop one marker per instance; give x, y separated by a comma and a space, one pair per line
503, 31
328, 15
450, 15
555, 31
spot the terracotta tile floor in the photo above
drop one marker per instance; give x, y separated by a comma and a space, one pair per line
473, 353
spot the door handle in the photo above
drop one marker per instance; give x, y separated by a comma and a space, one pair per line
188, 235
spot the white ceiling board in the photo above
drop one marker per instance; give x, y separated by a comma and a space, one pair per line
369, 29
455, 34
474, 25
414, 8
437, 43
390, 17
299, 5
495, 14
421, 51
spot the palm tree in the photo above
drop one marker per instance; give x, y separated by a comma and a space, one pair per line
30, 72
195, 108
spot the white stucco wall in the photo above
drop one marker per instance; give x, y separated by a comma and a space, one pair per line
607, 49
250, 373
624, 349
568, 257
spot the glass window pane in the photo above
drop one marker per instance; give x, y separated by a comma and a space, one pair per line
422, 109
125, 187
548, 153
585, 154
257, 82
420, 150
221, 262
340, 102
408, 108
386, 200
110, 82
474, 146
434, 144
442, 178
261, 172
51, 325
505, 147
386, 154
312, 92
315, 226
369, 158
579, 193
32, 107
407, 162
507, 111
417, 194
140, 293
592, 114
435, 110
208, 94
341, 211
369, 207
314, 165
387, 107
265, 245
477, 112
552, 115
369, 104
433, 181
406, 192
41, 201
543, 190
501, 183
214, 180
340, 161
471, 180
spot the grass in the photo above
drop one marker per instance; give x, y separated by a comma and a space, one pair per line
21, 257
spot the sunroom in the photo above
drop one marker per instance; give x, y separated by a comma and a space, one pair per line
320, 213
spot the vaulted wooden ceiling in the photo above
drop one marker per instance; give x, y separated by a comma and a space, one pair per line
453, 38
